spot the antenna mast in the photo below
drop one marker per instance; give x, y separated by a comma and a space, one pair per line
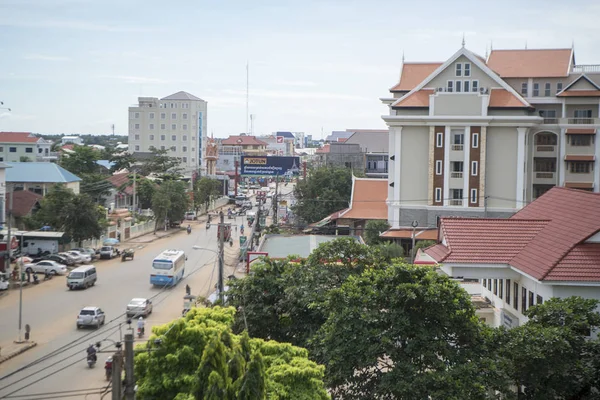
113, 129
247, 91
252, 117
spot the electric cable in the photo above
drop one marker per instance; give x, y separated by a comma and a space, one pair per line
55, 393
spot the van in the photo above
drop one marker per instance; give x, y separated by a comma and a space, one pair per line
82, 277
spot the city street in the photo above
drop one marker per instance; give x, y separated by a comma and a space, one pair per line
51, 310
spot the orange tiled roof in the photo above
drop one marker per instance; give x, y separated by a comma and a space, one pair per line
416, 99
582, 263
536, 63
242, 141
368, 199
579, 93
580, 131
413, 74
579, 185
18, 137
504, 98
324, 149
420, 234
580, 158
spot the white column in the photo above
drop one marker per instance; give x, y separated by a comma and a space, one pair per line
560, 164
466, 166
446, 193
520, 167
392, 217
597, 165
397, 163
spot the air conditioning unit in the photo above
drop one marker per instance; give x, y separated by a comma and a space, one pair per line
483, 90
441, 89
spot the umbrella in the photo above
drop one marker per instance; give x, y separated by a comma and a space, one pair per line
110, 241
24, 260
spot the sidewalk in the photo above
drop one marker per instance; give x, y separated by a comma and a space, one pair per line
14, 349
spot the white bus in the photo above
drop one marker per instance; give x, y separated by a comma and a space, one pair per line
168, 268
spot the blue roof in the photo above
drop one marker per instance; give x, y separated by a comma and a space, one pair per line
285, 134
42, 172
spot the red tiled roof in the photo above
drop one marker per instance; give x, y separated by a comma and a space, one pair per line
488, 241
119, 180
368, 199
420, 234
574, 216
438, 252
23, 202
18, 137
580, 131
533, 63
579, 93
243, 141
582, 263
503, 98
580, 158
413, 74
68, 147
417, 99
324, 149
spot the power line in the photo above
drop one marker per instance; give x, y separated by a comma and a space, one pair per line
55, 393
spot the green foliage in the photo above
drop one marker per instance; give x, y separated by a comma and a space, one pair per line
145, 190
170, 201
325, 191
403, 332
161, 164
205, 189
390, 250
81, 161
95, 185
121, 161
373, 229
51, 208
423, 244
24, 159
200, 358
272, 230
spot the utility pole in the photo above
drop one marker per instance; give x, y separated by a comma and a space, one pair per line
134, 202
117, 362
235, 178
221, 251
9, 226
275, 220
129, 378
485, 206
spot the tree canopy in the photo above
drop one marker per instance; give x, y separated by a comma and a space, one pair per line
81, 161
373, 229
170, 201
161, 164
205, 189
325, 191
199, 357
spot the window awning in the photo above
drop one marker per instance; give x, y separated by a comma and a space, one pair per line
581, 131
579, 185
589, 158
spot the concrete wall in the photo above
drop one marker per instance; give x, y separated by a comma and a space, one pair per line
501, 169
414, 158
458, 104
22, 151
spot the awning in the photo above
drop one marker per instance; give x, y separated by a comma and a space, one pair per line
580, 158
420, 234
581, 131
579, 185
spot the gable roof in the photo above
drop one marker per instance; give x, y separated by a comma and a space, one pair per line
582, 263
368, 199
23, 202
285, 134
417, 99
18, 137
531, 63
182, 96
242, 140
39, 172
414, 73
568, 92
121, 182
501, 98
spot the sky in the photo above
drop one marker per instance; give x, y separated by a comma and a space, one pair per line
75, 66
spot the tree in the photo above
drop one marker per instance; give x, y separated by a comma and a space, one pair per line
170, 201
95, 185
551, 355
121, 161
83, 219
423, 244
51, 208
200, 358
205, 190
373, 229
325, 191
390, 250
145, 190
161, 164
81, 161
24, 159
403, 332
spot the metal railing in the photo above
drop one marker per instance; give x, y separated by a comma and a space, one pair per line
581, 121
456, 202
456, 175
586, 68
457, 147
544, 175
550, 121
545, 148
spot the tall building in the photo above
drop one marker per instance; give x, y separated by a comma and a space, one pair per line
475, 136
176, 123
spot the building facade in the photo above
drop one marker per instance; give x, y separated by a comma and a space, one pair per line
176, 123
374, 145
17, 146
249, 145
477, 136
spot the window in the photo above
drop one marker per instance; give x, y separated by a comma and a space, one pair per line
536, 89
458, 138
173, 127
524, 88
531, 303
508, 291
1, 158
173, 148
578, 167
163, 126
173, 138
458, 69
162, 147
184, 159
474, 167
184, 116
137, 137
184, 138
184, 148
467, 70
548, 113
438, 194
137, 147
475, 86
484, 282
40, 151
172, 105
185, 105
449, 86
162, 137
137, 126
151, 115
439, 139
151, 137
151, 126
28, 149
496, 286
523, 300
544, 165
516, 296
501, 288
580, 140
545, 140
12, 149
458, 86
193, 137
490, 285
193, 149
559, 87
136, 115
163, 115
539, 299
173, 116
475, 140
473, 196
547, 89
2, 149
457, 166
184, 127
438, 167
582, 114
457, 194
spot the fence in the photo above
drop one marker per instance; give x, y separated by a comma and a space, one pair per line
112, 232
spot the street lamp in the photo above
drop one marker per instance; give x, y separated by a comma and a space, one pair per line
412, 250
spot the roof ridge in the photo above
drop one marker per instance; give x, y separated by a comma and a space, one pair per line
559, 259
552, 48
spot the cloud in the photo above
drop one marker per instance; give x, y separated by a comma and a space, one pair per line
278, 94
71, 24
16, 116
43, 57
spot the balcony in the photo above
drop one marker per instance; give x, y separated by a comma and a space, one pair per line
544, 175
582, 69
545, 151
456, 202
457, 147
550, 121
581, 121
456, 175
544, 178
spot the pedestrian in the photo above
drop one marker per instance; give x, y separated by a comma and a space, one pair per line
188, 290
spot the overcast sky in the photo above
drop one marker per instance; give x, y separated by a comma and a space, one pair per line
74, 66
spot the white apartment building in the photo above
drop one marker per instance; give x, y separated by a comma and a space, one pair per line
176, 123
485, 136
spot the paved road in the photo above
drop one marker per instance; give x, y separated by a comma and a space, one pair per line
51, 310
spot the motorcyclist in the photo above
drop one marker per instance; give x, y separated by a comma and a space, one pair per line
189, 229
91, 352
140, 324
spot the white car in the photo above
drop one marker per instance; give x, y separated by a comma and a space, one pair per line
90, 316
81, 256
52, 267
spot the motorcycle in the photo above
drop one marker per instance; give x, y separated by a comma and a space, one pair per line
208, 225
189, 230
108, 368
91, 360
140, 332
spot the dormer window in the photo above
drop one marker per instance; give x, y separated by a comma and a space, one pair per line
458, 69
467, 69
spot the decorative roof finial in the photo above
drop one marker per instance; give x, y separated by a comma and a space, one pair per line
572, 44
491, 46
463, 41
403, 57
525, 44
486, 52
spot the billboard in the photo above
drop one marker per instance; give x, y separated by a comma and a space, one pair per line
270, 166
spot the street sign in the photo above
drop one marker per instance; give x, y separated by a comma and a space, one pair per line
263, 221
270, 165
242, 240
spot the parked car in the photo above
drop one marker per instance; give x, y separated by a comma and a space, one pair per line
52, 267
139, 307
83, 258
108, 252
90, 316
55, 257
68, 256
190, 215
87, 250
